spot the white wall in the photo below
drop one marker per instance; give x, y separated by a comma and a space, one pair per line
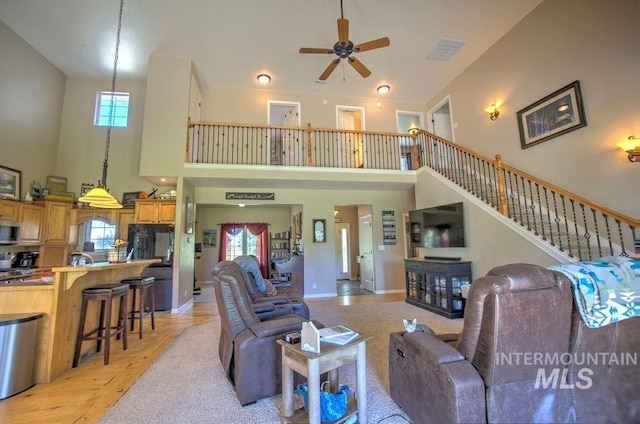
209, 217
592, 41
32, 93
319, 263
82, 144
250, 106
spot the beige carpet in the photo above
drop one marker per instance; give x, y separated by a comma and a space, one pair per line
186, 384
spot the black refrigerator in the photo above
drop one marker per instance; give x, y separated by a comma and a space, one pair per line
155, 241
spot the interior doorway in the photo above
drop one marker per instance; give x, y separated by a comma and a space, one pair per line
441, 120
365, 228
285, 146
350, 118
406, 121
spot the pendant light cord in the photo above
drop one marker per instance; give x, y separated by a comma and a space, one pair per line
105, 165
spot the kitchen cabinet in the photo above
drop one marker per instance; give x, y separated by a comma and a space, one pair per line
31, 216
10, 210
125, 217
155, 211
55, 229
435, 285
52, 255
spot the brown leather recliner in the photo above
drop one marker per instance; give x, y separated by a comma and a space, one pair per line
248, 349
519, 359
280, 295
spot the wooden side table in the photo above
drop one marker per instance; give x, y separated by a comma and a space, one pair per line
311, 365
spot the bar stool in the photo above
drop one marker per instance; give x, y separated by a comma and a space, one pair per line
140, 285
106, 294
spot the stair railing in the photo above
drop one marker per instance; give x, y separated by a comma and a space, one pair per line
580, 228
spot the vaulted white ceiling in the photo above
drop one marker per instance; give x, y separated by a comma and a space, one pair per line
232, 41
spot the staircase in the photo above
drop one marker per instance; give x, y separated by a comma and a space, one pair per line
579, 228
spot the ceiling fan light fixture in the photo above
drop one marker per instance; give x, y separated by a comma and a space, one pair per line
383, 90
264, 79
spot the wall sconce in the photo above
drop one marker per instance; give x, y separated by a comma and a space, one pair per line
383, 90
493, 112
413, 130
335, 212
632, 147
264, 79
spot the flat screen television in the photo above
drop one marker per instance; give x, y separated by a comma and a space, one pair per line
439, 226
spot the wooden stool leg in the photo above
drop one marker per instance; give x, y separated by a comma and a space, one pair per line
101, 327
107, 330
141, 310
133, 308
124, 303
79, 337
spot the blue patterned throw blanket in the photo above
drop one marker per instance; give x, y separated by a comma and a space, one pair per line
606, 290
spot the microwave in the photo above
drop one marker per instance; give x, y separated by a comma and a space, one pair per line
9, 232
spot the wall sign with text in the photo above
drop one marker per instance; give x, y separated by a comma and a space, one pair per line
250, 196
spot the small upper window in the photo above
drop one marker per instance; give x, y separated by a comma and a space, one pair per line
112, 109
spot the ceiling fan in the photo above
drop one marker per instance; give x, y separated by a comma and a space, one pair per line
344, 48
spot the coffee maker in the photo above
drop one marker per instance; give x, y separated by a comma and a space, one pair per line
26, 260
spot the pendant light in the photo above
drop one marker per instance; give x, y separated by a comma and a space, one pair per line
99, 197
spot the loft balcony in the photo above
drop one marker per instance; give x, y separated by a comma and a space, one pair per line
575, 226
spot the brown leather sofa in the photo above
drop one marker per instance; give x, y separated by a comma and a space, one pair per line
248, 350
524, 356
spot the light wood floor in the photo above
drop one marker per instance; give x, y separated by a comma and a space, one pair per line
85, 393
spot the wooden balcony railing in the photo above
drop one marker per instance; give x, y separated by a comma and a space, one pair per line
294, 146
580, 228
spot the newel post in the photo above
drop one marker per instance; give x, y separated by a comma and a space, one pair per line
416, 159
503, 208
309, 157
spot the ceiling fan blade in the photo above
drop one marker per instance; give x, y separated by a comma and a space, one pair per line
329, 69
343, 31
358, 66
316, 50
370, 45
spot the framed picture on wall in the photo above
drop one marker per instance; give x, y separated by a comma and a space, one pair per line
10, 183
319, 231
209, 238
554, 115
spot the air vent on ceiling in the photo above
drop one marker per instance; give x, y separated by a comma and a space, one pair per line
445, 49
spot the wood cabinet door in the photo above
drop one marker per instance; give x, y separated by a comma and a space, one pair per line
10, 210
31, 223
166, 212
51, 256
145, 212
56, 227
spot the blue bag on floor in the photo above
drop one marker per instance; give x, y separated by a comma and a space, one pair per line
332, 405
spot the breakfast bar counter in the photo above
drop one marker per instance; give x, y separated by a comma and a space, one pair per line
60, 303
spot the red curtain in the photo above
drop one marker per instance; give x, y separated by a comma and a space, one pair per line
260, 230
257, 229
